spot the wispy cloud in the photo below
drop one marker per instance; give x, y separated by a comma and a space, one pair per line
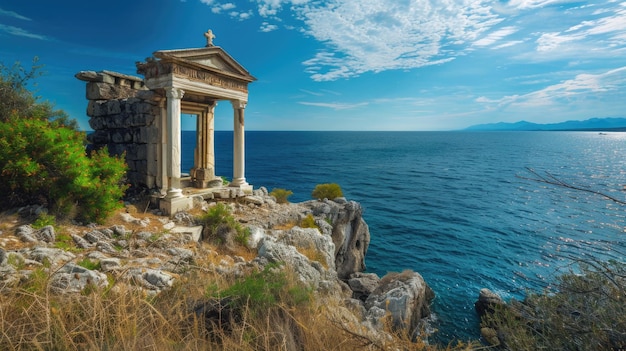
267, 27
218, 8
360, 36
581, 86
13, 14
605, 31
495, 37
529, 4
21, 32
334, 105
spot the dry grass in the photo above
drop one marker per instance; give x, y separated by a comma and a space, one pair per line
313, 254
285, 226
118, 318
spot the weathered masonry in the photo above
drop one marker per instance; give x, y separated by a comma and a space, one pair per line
142, 117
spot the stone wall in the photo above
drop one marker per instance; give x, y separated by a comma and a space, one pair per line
123, 114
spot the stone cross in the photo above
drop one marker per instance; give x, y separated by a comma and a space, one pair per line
209, 37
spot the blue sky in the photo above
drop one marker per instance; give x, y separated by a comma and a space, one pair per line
348, 64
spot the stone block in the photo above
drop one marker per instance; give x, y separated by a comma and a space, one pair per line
97, 123
106, 91
141, 166
171, 206
113, 107
152, 165
97, 108
99, 137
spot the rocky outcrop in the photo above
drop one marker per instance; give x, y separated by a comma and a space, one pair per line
404, 297
150, 253
349, 232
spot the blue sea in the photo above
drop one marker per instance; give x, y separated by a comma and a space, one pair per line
453, 206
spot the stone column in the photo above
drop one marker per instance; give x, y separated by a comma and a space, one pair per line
174, 201
239, 157
204, 169
174, 139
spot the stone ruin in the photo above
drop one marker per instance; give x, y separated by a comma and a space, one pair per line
141, 117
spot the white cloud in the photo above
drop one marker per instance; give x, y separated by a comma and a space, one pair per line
375, 35
360, 36
13, 14
581, 86
334, 105
267, 27
218, 8
529, 4
604, 29
21, 32
496, 36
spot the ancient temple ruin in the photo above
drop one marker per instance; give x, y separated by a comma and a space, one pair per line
142, 118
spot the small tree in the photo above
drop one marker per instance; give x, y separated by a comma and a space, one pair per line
43, 159
43, 163
17, 101
327, 191
584, 311
281, 195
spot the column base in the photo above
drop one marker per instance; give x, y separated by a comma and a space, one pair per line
172, 205
241, 184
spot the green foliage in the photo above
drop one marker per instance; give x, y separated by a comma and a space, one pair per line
281, 195
16, 101
327, 191
264, 290
46, 164
43, 220
242, 235
586, 311
16, 261
89, 264
65, 242
218, 218
308, 222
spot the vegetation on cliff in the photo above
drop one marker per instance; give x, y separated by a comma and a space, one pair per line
43, 159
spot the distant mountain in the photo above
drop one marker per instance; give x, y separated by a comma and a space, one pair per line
593, 124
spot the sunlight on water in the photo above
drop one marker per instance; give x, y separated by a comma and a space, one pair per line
452, 205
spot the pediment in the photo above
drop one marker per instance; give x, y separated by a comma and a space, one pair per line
211, 58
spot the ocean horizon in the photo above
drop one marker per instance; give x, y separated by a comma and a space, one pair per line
453, 206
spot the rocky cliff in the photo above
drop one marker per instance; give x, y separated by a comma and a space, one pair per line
150, 252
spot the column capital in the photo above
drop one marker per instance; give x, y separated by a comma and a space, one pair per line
239, 104
174, 93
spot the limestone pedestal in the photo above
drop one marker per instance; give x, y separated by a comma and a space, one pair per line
243, 186
172, 205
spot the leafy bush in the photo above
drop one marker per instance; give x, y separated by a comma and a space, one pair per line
17, 101
586, 311
265, 289
327, 191
89, 264
281, 195
43, 220
308, 222
43, 163
219, 219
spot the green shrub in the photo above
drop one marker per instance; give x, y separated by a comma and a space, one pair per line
264, 290
43, 220
89, 264
585, 311
281, 195
327, 191
17, 101
220, 216
43, 163
308, 222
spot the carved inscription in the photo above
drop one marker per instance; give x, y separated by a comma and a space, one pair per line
209, 78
